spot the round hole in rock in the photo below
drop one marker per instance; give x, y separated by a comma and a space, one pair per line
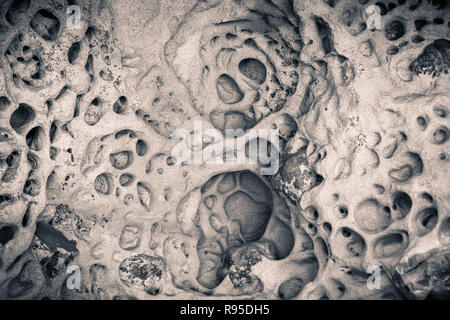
228, 90
45, 24
4, 103
89, 64
121, 160
356, 248
421, 121
425, 221
26, 218
16, 10
335, 288
33, 160
73, 52
126, 179
103, 184
209, 183
282, 238
143, 272
35, 139
123, 100
31, 187
371, 216
311, 213
327, 227
52, 132
120, 105
170, 161
22, 116
253, 69
141, 148
6, 234
252, 216
401, 203
428, 197
440, 135
346, 232
94, 112
343, 211
390, 245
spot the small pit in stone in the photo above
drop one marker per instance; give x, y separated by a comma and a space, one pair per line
228, 90
425, 221
141, 148
103, 184
35, 139
121, 160
390, 245
4, 103
73, 52
120, 105
7, 234
22, 116
440, 135
31, 187
401, 204
16, 10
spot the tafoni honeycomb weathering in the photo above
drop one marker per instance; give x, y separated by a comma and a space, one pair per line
93, 204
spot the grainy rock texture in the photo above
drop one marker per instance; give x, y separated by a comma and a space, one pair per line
92, 92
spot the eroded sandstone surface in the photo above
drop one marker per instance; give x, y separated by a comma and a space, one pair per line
89, 186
